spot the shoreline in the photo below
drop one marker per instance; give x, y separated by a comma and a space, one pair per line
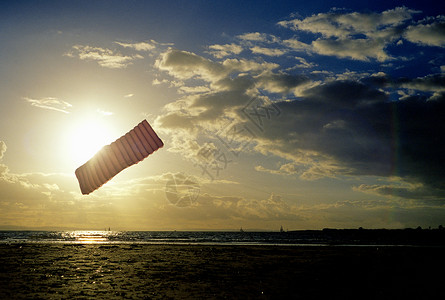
153, 271
222, 244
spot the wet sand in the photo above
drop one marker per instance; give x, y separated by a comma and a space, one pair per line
136, 271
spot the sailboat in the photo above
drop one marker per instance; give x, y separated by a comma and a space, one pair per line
281, 228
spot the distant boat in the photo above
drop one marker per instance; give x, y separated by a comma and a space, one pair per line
281, 229
241, 229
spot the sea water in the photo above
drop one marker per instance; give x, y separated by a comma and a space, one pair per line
291, 238
157, 237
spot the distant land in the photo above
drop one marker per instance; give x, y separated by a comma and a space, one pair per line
407, 236
327, 236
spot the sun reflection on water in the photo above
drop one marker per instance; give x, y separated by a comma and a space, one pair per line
90, 237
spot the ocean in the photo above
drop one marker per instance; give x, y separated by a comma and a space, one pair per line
326, 237
159, 237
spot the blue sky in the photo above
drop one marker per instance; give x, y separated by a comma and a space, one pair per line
306, 115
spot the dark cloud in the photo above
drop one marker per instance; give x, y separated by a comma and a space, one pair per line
430, 87
420, 144
345, 95
419, 192
429, 83
362, 130
339, 127
216, 104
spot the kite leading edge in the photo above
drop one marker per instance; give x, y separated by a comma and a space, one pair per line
127, 150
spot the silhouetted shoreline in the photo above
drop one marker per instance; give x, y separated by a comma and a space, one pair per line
148, 271
407, 236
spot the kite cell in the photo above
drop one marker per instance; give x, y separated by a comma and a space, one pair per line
127, 150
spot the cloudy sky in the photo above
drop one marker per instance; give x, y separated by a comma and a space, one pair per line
304, 115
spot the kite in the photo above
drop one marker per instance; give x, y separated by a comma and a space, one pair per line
126, 151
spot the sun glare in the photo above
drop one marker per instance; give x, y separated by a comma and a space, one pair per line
87, 137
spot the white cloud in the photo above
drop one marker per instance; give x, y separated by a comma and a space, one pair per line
141, 46
220, 51
296, 45
245, 65
104, 113
344, 25
430, 31
187, 65
156, 81
267, 51
104, 57
2, 149
304, 63
184, 65
285, 169
50, 103
358, 49
358, 36
258, 37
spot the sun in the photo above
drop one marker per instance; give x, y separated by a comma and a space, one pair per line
86, 137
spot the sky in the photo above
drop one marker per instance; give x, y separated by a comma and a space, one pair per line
284, 113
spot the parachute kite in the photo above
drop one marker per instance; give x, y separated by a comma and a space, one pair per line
127, 150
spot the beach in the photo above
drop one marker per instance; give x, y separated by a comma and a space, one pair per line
141, 271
